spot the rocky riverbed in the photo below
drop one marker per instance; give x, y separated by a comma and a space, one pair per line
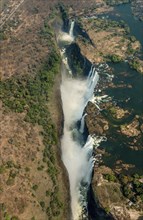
115, 113
30, 149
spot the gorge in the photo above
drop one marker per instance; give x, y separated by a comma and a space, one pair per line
76, 152
71, 111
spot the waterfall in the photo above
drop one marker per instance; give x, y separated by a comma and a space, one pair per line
66, 38
91, 83
71, 29
82, 123
90, 72
77, 158
76, 154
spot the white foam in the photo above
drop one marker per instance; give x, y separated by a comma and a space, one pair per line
78, 159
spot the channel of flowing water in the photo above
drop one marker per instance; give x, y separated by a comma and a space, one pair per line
77, 154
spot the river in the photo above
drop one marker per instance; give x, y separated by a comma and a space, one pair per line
77, 151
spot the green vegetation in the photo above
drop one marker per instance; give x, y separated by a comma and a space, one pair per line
134, 64
109, 114
8, 217
107, 210
118, 28
40, 168
132, 187
2, 36
42, 204
14, 218
27, 169
115, 58
2, 169
47, 193
30, 94
130, 50
63, 11
110, 177
76, 60
35, 187
107, 24
64, 15
10, 181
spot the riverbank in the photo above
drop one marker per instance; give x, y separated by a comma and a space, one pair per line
56, 112
34, 181
116, 110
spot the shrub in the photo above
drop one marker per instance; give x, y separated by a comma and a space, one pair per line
35, 187
10, 181
14, 218
2, 169
115, 58
135, 65
107, 210
27, 169
110, 177
42, 204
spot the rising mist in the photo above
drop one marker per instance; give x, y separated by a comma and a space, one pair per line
76, 154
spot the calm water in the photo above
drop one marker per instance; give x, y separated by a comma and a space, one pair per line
129, 97
117, 144
124, 12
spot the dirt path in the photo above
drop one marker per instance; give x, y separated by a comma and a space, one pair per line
4, 18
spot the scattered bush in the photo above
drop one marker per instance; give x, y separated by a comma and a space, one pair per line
30, 94
27, 169
110, 177
2, 169
135, 65
42, 204
35, 187
115, 58
14, 218
132, 186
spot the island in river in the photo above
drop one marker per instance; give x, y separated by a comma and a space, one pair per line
111, 39
34, 182
116, 112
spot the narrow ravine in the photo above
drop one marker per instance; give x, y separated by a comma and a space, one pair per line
77, 150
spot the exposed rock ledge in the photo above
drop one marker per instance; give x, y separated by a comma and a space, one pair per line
95, 122
110, 196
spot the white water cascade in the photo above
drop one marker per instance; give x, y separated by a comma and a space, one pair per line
71, 29
67, 37
82, 123
77, 157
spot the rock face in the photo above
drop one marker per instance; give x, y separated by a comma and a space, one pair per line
33, 180
95, 122
77, 62
118, 121
132, 129
109, 196
107, 40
